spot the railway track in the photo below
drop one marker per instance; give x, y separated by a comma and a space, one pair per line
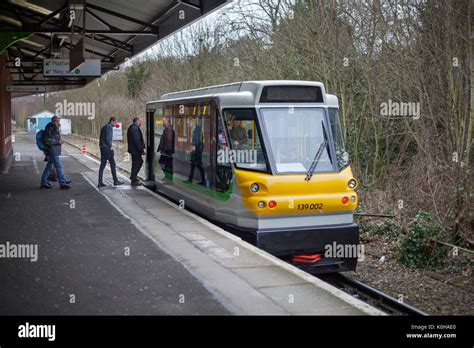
363, 291
370, 295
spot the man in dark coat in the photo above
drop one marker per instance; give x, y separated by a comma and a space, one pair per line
136, 148
52, 140
196, 152
166, 146
106, 152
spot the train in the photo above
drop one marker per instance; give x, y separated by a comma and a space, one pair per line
264, 159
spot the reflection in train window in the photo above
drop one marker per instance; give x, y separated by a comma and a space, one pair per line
244, 140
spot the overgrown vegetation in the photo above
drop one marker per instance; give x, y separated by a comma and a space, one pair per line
367, 53
418, 248
389, 228
136, 77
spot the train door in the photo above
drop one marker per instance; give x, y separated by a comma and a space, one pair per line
150, 141
223, 168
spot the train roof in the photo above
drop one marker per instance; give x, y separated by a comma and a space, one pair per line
243, 93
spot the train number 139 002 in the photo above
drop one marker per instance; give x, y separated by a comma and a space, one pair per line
312, 206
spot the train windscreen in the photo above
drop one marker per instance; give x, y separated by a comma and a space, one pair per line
294, 137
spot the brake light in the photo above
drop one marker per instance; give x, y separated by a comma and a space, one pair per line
272, 204
345, 200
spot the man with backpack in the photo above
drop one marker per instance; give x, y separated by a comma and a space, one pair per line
39, 142
51, 138
106, 152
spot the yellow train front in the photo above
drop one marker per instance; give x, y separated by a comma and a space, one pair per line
267, 160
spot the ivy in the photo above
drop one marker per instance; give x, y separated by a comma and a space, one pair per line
417, 249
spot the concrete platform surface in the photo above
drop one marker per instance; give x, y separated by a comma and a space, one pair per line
127, 250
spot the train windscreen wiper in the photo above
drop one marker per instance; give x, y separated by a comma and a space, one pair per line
323, 145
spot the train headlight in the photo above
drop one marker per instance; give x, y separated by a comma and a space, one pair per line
352, 183
353, 199
261, 204
254, 188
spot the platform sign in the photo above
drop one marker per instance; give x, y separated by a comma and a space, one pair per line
26, 88
60, 67
117, 131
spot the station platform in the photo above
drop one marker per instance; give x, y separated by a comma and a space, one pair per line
128, 251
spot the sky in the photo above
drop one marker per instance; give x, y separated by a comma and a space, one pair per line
209, 19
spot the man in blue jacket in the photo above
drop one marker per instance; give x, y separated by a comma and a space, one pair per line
106, 152
136, 147
52, 140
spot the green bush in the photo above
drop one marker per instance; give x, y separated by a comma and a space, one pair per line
458, 263
417, 250
390, 228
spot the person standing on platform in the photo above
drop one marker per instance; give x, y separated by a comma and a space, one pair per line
53, 142
107, 153
136, 148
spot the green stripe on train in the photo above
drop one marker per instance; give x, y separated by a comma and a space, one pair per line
220, 196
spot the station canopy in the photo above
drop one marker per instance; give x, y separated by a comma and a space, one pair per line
54, 45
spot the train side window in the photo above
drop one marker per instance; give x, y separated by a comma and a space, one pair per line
341, 153
198, 144
245, 142
180, 166
166, 145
